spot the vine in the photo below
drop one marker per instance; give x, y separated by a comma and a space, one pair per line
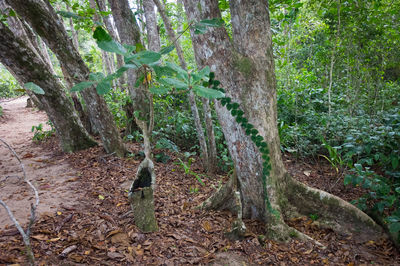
250, 131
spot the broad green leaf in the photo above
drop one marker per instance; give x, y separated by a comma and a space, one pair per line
82, 85
101, 35
147, 57
103, 87
215, 22
129, 48
207, 92
97, 76
358, 166
106, 43
393, 219
112, 46
175, 83
201, 74
160, 90
395, 162
394, 227
167, 49
199, 29
33, 87
182, 73
163, 71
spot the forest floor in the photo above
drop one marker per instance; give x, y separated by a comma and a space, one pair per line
84, 209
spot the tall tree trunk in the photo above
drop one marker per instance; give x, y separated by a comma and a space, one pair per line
42, 18
208, 157
129, 33
27, 66
245, 67
153, 38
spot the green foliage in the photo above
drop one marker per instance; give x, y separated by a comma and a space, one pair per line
33, 87
9, 86
202, 26
356, 128
314, 217
40, 134
186, 167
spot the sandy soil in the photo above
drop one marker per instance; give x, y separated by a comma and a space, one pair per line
53, 177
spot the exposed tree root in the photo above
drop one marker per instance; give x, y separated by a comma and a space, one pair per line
333, 211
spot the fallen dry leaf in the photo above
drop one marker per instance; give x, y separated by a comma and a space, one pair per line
40, 237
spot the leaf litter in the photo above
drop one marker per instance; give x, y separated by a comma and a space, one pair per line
100, 230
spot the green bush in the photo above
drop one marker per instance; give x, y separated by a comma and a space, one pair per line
9, 86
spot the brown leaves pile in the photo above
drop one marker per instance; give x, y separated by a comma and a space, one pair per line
101, 228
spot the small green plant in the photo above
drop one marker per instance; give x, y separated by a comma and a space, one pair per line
334, 158
186, 168
193, 190
293, 234
162, 157
314, 217
40, 134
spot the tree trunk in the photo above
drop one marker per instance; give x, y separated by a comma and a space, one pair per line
42, 18
27, 66
207, 163
245, 67
153, 37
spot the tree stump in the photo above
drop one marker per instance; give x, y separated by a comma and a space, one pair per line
29, 103
141, 197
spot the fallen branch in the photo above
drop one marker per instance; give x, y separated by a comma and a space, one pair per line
25, 234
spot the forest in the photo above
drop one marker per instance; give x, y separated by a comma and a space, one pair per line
207, 132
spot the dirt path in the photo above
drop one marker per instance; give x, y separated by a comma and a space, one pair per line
50, 175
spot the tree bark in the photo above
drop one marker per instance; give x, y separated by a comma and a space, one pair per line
245, 67
153, 38
27, 66
42, 18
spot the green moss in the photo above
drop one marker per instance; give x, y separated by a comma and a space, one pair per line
293, 234
245, 66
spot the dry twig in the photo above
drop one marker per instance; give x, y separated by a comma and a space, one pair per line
25, 234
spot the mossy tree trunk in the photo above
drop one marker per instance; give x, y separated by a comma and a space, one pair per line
245, 67
46, 23
27, 66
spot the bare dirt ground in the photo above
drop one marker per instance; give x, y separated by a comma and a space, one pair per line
50, 174
86, 219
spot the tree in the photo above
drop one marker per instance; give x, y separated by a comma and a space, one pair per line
245, 68
129, 33
153, 38
28, 67
43, 19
